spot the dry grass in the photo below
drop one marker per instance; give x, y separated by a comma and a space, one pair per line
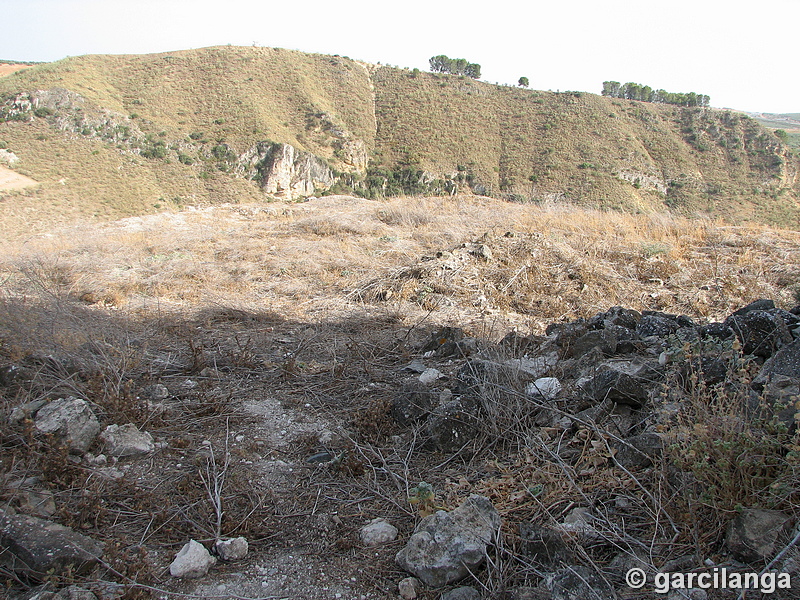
546, 263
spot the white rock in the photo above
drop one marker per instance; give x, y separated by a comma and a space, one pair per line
71, 419
232, 549
545, 387
429, 376
409, 587
192, 561
127, 440
378, 532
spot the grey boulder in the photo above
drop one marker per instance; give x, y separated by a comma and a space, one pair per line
35, 546
446, 546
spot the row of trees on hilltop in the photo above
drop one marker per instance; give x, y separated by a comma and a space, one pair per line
644, 93
456, 66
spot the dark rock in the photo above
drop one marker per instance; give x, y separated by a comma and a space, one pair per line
610, 384
687, 334
35, 546
656, 325
615, 316
546, 546
791, 319
757, 535
706, 369
626, 339
638, 451
763, 304
579, 583
528, 593
451, 425
719, 331
25, 411
413, 403
11, 374
443, 341
760, 332
446, 546
604, 340
565, 334
781, 394
518, 345
785, 361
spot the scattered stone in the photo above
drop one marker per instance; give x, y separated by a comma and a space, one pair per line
610, 384
377, 532
428, 376
543, 544
579, 522
127, 440
785, 361
409, 587
413, 403
656, 325
415, 366
38, 503
762, 304
465, 592
193, 561
579, 583
444, 341
74, 592
638, 451
519, 345
71, 420
756, 534
445, 546
546, 388
35, 546
321, 458
231, 549
11, 374
25, 411
450, 426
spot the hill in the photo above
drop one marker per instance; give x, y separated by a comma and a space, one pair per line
111, 136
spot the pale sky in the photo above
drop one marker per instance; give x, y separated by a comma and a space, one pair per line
743, 55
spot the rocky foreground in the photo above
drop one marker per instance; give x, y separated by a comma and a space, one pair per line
625, 441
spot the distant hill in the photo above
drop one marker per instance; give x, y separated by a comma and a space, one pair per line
109, 136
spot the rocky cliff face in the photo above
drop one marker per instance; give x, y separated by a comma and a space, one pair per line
282, 170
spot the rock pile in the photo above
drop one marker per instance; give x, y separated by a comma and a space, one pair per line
621, 372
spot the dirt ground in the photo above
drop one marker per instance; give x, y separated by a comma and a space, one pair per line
9, 180
281, 334
8, 69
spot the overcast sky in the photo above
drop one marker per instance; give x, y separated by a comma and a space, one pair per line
743, 55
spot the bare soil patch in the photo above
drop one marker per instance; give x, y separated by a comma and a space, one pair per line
9, 180
8, 69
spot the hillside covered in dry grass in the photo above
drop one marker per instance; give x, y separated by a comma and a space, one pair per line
111, 136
